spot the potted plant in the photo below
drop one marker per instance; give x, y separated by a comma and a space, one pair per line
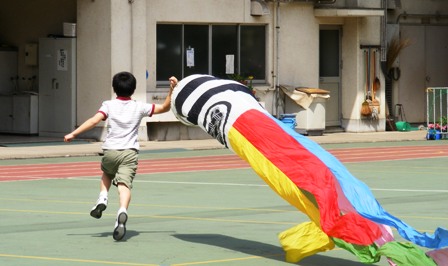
246, 81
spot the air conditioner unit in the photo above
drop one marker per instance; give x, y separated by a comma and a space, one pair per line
259, 8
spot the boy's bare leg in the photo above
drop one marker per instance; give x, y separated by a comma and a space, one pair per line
101, 203
105, 183
122, 216
125, 196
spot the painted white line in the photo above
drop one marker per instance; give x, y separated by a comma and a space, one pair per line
409, 190
261, 185
183, 183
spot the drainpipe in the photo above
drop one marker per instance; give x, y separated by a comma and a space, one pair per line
275, 73
384, 38
131, 2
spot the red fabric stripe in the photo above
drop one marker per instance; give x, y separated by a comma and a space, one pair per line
308, 173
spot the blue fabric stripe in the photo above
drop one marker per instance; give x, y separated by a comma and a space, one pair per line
362, 199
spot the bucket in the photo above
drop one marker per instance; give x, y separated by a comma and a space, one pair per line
289, 120
433, 134
403, 126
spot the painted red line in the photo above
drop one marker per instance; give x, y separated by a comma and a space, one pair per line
145, 167
210, 163
396, 148
18, 179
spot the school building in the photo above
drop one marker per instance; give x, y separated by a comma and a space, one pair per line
341, 46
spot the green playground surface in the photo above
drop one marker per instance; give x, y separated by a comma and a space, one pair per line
210, 217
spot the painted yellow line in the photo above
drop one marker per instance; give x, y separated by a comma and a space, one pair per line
212, 219
423, 217
41, 211
156, 217
158, 205
226, 260
206, 219
213, 208
74, 260
400, 171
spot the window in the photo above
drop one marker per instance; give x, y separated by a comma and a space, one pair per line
169, 51
196, 37
224, 42
184, 50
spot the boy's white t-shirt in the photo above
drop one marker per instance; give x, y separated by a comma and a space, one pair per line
124, 116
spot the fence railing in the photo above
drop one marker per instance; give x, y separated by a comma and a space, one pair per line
437, 112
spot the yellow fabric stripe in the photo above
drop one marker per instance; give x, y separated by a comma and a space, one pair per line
275, 178
302, 240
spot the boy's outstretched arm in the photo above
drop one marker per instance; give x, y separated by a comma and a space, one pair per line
87, 125
165, 107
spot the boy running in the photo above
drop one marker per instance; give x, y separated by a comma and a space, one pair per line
119, 163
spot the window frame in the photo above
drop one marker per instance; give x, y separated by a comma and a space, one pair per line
210, 49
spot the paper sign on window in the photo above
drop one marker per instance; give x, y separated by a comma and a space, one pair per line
190, 57
230, 65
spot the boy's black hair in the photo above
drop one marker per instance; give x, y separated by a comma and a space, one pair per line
124, 84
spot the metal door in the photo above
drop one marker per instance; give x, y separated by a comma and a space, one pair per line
57, 81
422, 64
329, 72
437, 56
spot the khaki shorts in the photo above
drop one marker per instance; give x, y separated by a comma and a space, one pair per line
120, 166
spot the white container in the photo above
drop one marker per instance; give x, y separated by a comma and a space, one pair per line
311, 121
69, 29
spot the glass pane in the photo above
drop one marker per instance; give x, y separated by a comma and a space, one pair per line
169, 52
224, 42
253, 52
329, 53
196, 37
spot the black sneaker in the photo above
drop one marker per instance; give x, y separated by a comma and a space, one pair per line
100, 206
120, 226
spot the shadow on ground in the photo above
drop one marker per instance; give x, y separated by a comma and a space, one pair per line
260, 249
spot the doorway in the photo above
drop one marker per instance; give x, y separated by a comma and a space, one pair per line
423, 64
329, 72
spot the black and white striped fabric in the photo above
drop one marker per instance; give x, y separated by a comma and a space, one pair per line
211, 103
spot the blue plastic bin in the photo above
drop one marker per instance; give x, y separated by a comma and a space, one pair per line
289, 120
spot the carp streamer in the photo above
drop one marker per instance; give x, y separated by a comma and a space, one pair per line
342, 210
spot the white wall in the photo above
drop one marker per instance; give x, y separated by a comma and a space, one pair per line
299, 46
361, 31
111, 39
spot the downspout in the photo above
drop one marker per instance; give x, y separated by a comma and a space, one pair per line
132, 35
275, 74
383, 37
383, 64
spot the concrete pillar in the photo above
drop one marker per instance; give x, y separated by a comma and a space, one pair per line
111, 38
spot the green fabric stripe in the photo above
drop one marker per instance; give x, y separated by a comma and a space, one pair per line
402, 254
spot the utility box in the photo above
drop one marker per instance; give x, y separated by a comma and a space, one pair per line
308, 105
311, 121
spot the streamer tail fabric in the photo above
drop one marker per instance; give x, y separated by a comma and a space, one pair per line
342, 210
